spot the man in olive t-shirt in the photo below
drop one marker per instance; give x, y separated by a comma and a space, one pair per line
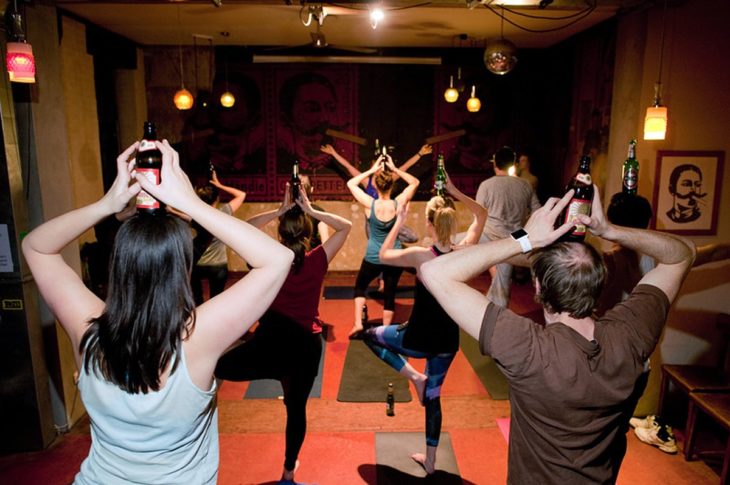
571, 381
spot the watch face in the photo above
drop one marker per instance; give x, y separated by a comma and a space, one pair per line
519, 233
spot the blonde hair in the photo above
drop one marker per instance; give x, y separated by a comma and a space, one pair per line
441, 213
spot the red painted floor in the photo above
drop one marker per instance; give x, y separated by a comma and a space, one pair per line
340, 444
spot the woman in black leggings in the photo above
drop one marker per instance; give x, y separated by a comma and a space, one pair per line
429, 333
380, 213
287, 344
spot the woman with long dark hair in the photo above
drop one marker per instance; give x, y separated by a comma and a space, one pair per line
429, 333
287, 344
380, 213
146, 355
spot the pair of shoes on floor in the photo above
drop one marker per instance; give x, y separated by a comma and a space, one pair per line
653, 431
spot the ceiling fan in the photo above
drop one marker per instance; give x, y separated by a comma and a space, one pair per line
316, 13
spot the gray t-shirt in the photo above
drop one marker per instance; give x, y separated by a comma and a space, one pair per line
508, 200
215, 254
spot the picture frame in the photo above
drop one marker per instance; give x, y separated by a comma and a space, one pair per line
687, 191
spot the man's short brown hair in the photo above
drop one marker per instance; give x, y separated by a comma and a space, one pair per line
571, 277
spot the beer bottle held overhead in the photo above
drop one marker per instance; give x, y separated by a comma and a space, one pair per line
581, 202
631, 171
295, 185
378, 151
439, 183
149, 164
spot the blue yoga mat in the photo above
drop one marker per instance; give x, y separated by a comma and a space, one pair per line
271, 388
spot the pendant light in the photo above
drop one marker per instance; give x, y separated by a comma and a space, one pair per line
451, 94
500, 56
473, 104
655, 122
183, 98
19, 59
227, 98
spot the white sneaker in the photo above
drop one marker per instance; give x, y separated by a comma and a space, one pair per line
660, 436
648, 422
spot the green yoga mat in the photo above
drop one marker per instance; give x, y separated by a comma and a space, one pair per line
396, 467
365, 378
486, 369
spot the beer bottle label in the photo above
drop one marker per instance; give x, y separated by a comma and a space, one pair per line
631, 177
584, 178
145, 145
145, 200
575, 207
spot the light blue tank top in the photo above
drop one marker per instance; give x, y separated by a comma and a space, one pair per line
378, 232
164, 437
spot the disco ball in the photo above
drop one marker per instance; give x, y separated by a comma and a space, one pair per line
500, 56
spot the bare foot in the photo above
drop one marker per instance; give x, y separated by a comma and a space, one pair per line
289, 474
421, 459
420, 383
356, 332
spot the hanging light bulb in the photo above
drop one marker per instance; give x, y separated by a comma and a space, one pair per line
655, 121
183, 98
19, 59
473, 104
451, 94
227, 98
500, 56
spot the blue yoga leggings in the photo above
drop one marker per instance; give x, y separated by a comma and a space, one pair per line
387, 343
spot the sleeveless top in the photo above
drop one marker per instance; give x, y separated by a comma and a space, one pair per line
378, 232
430, 329
164, 437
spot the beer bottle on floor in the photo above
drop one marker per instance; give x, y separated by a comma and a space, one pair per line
440, 181
631, 171
581, 201
364, 315
390, 401
149, 164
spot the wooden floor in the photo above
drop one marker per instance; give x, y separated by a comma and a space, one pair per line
340, 444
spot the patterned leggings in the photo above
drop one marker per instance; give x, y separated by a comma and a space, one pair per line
387, 344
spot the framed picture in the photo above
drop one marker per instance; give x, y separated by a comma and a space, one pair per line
687, 191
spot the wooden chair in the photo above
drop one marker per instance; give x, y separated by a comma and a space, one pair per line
717, 407
699, 378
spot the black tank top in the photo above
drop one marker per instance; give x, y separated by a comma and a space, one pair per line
430, 329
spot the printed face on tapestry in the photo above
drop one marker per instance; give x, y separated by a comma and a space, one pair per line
309, 105
485, 131
685, 185
233, 138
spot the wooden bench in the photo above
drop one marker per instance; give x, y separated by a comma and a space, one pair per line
717, 407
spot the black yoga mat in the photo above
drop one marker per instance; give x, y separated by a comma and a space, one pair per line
395, 466
348, 293
485, 368
365, 378
271, 388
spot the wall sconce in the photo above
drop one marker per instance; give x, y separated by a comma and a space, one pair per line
500, 56
473, 104
451, 94
655, 122
19, 59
